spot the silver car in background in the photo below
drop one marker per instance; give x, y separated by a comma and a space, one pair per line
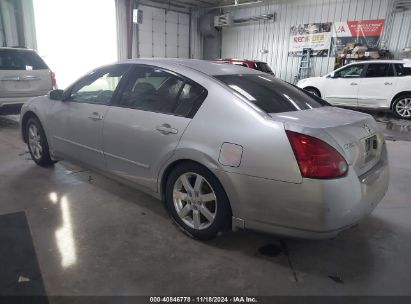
23, 75
221, 145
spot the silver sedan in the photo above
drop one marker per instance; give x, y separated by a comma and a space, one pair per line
223, 146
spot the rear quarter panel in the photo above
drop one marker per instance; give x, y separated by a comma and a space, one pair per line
225, 118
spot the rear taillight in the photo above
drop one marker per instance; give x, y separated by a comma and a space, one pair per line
53, 81
316, 158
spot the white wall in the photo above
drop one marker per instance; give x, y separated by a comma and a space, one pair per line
246, 41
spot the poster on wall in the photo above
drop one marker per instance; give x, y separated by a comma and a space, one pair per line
316, 36
365, 32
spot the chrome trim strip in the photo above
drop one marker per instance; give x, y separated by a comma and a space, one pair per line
78, 145
127, 160
104, 153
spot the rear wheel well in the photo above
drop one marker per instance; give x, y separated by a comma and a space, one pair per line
314, 88
177, 163
24, 121
399, 95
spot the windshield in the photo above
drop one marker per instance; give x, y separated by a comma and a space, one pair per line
270, 94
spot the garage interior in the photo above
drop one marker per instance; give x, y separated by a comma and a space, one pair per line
69, 231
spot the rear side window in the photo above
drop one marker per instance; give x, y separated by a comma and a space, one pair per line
156, 90
402, 70
379, 70
263, 67
21, 60
270, 94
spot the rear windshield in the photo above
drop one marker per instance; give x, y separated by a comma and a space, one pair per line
270, 94
21, 60
263, 67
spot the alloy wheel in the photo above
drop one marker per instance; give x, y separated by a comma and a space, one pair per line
35, 142
195, 201
403, 107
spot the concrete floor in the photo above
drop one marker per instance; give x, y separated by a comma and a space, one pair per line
94, 236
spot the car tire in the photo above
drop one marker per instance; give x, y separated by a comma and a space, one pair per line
313, 91
37, 143
402, 106
197, 202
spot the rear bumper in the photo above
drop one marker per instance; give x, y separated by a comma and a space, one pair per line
314, 209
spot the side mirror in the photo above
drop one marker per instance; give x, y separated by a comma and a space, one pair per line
332, 75
56, 94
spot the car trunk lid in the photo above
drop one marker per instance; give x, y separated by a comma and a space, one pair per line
355, 135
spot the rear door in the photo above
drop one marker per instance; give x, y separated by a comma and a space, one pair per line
23, 74
143, 128
342, 89
377, 86
77, 121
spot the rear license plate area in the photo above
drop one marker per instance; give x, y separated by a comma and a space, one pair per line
370, 148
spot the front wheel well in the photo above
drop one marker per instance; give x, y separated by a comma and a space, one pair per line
313, 88
24, 121
399, 95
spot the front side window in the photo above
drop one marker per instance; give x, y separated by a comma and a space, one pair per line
352, 71
21, 60
379, 70
270, 94
156, 90
99, 86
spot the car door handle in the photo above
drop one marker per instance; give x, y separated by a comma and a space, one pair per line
388, 83
166, 129
95, 116
353, 83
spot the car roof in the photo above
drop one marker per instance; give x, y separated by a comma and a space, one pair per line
211, 68
240, 60
379, 61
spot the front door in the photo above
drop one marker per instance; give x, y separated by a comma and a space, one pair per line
342, 88
143, 128
77, 121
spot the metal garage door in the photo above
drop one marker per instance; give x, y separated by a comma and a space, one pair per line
163, 33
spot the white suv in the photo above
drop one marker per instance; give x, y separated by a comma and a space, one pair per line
382, 84
23, 75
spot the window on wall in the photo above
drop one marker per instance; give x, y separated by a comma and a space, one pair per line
83, 36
